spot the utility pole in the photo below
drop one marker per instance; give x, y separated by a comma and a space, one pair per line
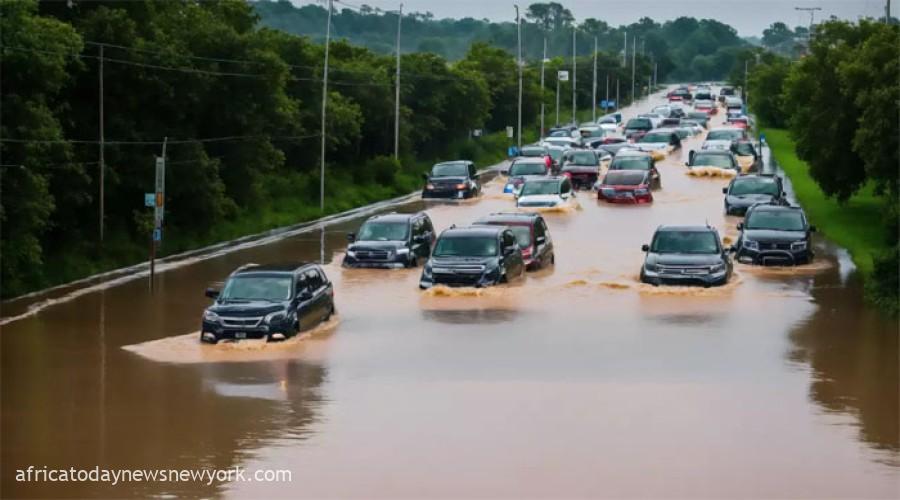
574, 75
617, 93
607, 93
655, 74
543, 62
324, 108
557, 97
594, 87
887, 12
102, 153
625, 51
519, 64
744, 90
633, 61
812, 17
397, 91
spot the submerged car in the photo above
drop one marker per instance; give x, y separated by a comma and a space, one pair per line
716, 158
391, 240
531, 233
625, 186
270, 302
476, 256
747, 190
775, 235
451, 179
524, 169
636, 127
548, 192
659, 143
582, 167
747, 157
637, 160
686, 255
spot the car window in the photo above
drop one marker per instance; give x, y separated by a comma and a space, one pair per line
313, 280
383, 231
693, 242
639, 163
418, 227
656, 137
508, 239
255, 287
466, 246
472, 172
539, 228
446, 169
537, 188
781, 220
522, 168
752, 185
710, 160
427, 224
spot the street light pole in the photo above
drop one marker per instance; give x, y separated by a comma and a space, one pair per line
633, 61
594, 87
543, 62
519, 64
397, 90
324, 109
574, 75
102, 153
557, 97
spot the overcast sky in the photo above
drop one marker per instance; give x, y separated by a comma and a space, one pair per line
749, 17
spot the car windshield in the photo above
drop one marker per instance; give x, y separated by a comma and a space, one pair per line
532, 152
466, 246
540, 188
695, 242
560, 133
624, 178
744, 149
750, 185
583, 158
520, 168
710, 160
780, 220
724, 135
655, 138
639, 123
254, 287
556, 154
640, 163
446, 169
383, 231
699, 115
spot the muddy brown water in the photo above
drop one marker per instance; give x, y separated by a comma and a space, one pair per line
577, 382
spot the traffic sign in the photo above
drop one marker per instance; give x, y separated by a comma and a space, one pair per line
510, 132
150, 200
157, 235
562, 76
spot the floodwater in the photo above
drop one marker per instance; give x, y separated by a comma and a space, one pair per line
577, 382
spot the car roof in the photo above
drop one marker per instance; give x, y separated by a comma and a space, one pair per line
719, 152
632, 152
394, 217
477, 230
776, 208
554, 178
511, 217
286, 268
773, 178
530, 159
716, 129
685, 229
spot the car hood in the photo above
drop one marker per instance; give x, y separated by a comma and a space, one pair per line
769, 235
683, 259
242, 309
580, 169
746, 200
376, 245
447, 179
540, 198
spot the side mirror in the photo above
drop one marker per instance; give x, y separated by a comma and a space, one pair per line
740, 226
725, 190
304, 295
351, 237
212, 293
645, 248
812, 229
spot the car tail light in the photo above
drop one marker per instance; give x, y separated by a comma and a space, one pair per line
568, 174
526, 252
548, 161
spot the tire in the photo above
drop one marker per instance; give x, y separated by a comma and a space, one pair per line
552, 259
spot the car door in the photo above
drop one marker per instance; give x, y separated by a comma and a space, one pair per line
515, 265
542, 242
305, 302
417, 241
315, 286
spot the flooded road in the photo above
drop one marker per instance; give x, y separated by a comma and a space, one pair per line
577, 382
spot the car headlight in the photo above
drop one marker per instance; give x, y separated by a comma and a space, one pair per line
798, 245
460, 186
641, 192
717, 268
402, 251
650, 268
429, 186
751, 245
275, 317
210, 317
351, 253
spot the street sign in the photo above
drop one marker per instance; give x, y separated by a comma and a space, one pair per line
157, 235
150, 200
160, 191
477, 132
562, 76
510, 132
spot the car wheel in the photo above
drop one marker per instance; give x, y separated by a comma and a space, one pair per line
205, 340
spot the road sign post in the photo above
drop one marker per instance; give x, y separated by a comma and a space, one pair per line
157, 200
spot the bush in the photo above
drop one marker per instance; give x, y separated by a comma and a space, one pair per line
883, 287
383, 169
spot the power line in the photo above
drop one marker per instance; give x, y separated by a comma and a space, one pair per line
157, 143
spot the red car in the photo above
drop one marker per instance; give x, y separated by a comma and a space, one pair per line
626, 186
707, 107
739, 122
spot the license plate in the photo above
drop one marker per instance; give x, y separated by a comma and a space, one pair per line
460, 194
240, 335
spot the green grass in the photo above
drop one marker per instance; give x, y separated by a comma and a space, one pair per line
857, 225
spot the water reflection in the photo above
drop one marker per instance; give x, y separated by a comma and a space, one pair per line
853, 354
471, 316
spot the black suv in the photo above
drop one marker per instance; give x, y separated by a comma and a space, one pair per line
532, 234
582, 167
392, 240
452, 179
272, 302
474, 256
686, 255
747, 190
775, 235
